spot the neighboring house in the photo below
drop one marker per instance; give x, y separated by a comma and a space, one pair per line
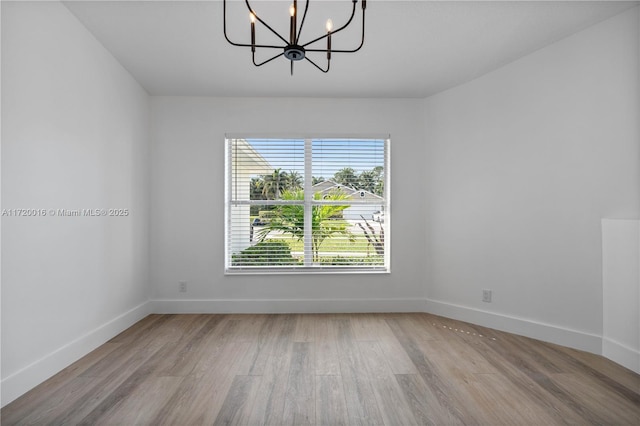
374, 209
248, 164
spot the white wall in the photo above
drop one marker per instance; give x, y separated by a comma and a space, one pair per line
523, 163
621, 292
74, 136
187, 204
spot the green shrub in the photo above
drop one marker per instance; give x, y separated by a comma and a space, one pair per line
266, 215
265, 253
352, 261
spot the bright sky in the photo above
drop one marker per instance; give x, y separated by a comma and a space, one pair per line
329, 155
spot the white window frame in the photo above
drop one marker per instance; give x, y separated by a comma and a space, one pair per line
308, 202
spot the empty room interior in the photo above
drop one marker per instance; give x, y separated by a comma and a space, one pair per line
232, 212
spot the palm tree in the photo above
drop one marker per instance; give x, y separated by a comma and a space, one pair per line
326, 220
293, 180
273, 184
346, 177
379, 186
255, 189
367, 181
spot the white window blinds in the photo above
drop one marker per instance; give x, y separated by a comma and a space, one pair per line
307, 205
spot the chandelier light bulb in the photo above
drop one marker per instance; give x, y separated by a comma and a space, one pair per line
252, 18
292, 10
329, 25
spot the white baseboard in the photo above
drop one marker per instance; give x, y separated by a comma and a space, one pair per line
523, 327
621, 354
262, 306
32, 375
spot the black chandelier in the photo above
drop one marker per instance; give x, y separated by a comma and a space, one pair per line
292, 49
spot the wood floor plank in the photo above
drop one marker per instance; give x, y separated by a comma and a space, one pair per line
423, 403
436, 329
331, 406
182, 406
508, 404
305, 328
222, 376
362, 406
144, 327
329, 369
249, 326
125, 389
541, 392
327, 359
199, 397
299, 403
219, 341
453, 359
449, 329
440, 385
255, 360
269, 404
237, 405
458, 371
420, 327
103, 387
365, 327
393, 406
597, 365
58, 389
627, 389
58, 405
183, 359
545, 360
467, 358
115, 359
394, 350
141, 405
593, 394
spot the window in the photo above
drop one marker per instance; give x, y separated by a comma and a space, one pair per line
307, 205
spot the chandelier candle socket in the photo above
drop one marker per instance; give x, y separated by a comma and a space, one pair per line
292, 49
292, 25
252, 18
329, 28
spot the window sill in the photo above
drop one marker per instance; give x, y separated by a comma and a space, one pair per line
315, 270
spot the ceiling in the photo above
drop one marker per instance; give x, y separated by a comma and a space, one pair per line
412, 48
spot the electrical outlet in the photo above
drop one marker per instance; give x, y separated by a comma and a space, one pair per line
486, 296
182, 286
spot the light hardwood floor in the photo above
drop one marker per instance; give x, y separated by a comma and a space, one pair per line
333, 369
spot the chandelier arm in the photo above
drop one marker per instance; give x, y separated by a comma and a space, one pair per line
266, 46
304, 15
316, 65
353, 12
253, 56
224, 25
343, 50
361, 40
263, 23
224, 21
